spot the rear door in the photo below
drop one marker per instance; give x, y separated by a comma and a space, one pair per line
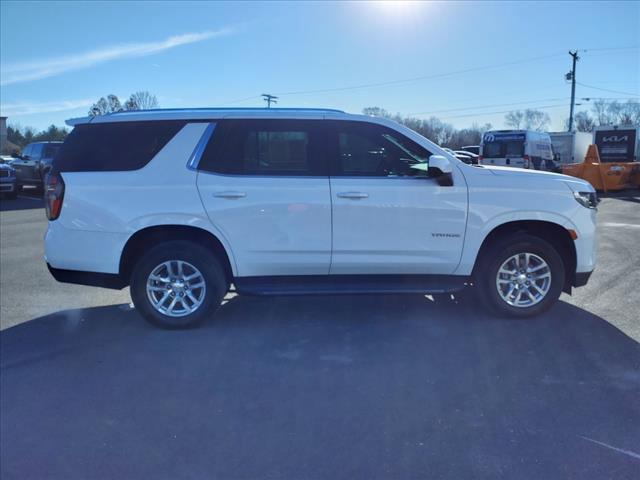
504, 149
265, 188
389, 218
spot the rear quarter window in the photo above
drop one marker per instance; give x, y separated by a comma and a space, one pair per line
121, 146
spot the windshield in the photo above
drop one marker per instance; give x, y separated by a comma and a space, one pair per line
501, 146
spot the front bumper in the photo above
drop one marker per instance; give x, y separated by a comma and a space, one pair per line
582, 278
8, 187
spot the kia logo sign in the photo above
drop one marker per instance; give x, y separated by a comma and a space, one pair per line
615, 138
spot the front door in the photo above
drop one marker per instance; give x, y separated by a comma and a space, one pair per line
389, 218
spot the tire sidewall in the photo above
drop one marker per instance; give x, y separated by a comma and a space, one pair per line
499, 253
190, 252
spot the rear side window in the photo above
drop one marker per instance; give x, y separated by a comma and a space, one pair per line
118, 146
266, 147
50, 150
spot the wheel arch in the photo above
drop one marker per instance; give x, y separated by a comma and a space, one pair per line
143, 239
553, 233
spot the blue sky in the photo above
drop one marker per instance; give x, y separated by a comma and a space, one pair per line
459, 58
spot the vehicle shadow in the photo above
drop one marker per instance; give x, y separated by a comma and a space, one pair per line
20, 203
630, 195
320, 387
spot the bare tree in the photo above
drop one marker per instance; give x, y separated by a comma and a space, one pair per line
141, 100
114, 103
376, 112
536, 120
601, 111
528, 119
514, 119
583, 122
101, 107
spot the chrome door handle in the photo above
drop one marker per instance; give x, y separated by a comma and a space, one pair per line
230, 195
353, 195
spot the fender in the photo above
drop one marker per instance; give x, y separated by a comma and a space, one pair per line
478, 229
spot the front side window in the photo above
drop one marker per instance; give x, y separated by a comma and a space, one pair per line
364, 149
36, 150
266, 147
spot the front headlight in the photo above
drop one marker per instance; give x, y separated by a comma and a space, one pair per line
587, 199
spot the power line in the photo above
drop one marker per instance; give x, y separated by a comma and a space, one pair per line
608, 49
504, 111
240, 100
489, 106
607, 90
423, 77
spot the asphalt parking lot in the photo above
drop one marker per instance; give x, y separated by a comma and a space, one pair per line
319, 387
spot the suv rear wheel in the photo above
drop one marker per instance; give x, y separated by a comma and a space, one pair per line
520, 276
177, 284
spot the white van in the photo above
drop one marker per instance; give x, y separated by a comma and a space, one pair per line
517, 148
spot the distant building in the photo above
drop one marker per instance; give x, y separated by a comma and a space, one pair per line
3, 133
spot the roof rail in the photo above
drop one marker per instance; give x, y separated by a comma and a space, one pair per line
230, 109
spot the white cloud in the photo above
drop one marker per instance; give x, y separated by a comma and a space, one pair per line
28, 108
49, 67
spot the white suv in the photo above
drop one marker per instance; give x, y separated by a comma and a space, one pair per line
180, 204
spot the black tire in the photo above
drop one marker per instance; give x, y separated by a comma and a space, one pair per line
496, 254
201, 258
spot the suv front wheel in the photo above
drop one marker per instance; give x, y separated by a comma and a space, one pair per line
520, 276
177, 284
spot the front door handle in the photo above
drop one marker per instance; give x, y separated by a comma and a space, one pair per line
230, 195
353, 195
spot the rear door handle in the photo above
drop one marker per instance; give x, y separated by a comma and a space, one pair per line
353, 195
230, 195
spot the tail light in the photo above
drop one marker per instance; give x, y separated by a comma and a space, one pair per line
53, 195
526, 161
479, 159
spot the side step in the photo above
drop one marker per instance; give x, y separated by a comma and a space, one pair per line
349, 284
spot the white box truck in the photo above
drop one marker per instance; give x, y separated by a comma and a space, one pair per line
570, 147
617, 143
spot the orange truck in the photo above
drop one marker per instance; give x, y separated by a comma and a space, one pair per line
611, 163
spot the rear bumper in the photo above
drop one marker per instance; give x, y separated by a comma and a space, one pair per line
92, 279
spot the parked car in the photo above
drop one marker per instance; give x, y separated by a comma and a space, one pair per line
475, 149
460, 156
517, 148
35, 159
8, 184
466, 157
180, 204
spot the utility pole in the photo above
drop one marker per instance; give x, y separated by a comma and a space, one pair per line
572, 76
269, 99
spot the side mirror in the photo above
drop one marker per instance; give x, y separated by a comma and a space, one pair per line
440, 169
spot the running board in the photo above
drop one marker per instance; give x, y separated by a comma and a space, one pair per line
349, 284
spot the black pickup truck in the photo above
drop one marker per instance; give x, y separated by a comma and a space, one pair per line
31, 166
